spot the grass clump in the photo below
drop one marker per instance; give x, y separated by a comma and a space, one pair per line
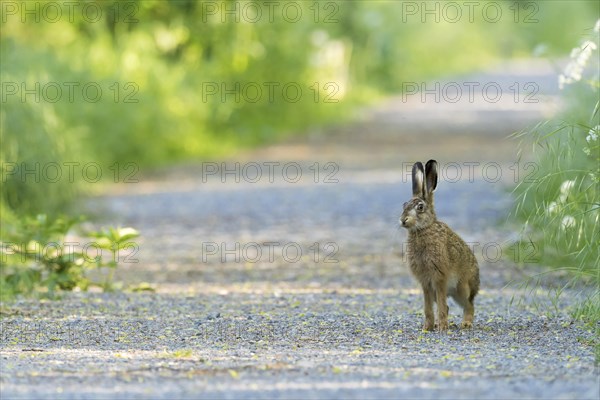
560, 208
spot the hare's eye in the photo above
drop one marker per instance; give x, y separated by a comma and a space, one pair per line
420, 207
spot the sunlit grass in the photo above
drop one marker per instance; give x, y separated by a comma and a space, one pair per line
560, 208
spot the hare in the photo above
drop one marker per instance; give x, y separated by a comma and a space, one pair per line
437, 256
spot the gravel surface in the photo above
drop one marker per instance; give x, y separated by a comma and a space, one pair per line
340, 321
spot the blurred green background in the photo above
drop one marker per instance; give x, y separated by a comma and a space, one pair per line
98, 91
156, 63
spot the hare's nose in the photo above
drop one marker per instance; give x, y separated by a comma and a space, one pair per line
403, 221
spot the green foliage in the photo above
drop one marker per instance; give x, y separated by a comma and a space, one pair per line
589, 312
37, 256
157, 61
561, 207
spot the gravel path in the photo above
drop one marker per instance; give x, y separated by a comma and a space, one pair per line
340, 321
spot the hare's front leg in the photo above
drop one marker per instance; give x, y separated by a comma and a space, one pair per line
442, 306
429, 298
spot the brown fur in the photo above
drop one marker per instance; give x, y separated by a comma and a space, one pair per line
439, 259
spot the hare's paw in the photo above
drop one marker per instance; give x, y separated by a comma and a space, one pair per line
466, 325
443, 326
428, 326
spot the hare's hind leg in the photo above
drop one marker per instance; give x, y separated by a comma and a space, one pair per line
464, 298
429, 298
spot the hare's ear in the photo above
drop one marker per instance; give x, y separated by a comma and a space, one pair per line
431, 176
418, 175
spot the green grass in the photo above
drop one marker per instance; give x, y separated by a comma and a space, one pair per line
560, 206
589, 312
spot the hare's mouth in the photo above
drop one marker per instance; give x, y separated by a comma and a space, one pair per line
406, 222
